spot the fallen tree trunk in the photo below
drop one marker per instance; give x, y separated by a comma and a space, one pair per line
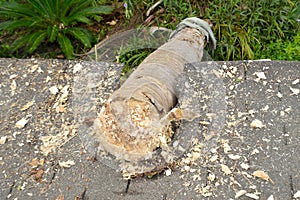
135, 120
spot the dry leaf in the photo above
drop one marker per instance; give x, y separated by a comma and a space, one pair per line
225, 169
3, 139
256, 124
67, 164
27, 105
261, 174
21, 123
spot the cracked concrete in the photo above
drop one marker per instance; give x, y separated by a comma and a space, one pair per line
27, 173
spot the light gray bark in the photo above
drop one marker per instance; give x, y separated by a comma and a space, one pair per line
135, 120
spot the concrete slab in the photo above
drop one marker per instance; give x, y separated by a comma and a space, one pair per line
226, 172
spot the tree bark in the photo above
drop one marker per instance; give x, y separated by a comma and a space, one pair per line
135, 120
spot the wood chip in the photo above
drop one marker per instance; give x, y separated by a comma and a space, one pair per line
252, 196
13, 76
260, 76
35, 162
295, 91
3, 139
60, 197
257, 124
66, 164
225, 169
297, 194
295, 82
234, 157
77, 68
27, 105
168, 172
262, 175
13, 87
53, 90
21, 123
240, 193
271, 197
279, 95
245, 166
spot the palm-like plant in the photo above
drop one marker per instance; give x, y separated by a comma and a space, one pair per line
49, 21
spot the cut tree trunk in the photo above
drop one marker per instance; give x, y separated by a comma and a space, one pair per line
135, 120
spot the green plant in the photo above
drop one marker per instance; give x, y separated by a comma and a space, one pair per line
281, 50
140, 44
244, 27
37, 21
173, 8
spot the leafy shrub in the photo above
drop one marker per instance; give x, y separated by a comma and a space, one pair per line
38, 21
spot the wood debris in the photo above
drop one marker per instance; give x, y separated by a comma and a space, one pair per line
21, 123
256, 123
66, 164
262, 175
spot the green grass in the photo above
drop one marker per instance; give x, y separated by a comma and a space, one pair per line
245, 27
281, 50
